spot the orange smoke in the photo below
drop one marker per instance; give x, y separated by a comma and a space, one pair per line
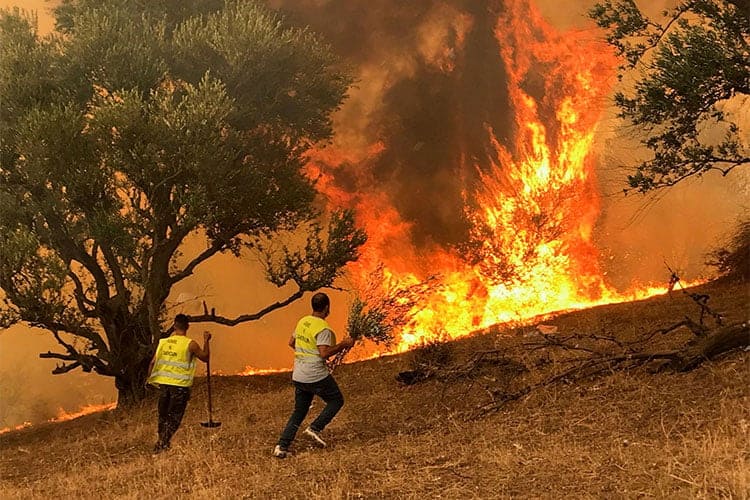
530, 250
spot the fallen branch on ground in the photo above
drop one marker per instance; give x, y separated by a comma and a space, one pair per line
598, 360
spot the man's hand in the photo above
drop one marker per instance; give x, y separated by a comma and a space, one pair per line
328, 351
348, 343
202, 354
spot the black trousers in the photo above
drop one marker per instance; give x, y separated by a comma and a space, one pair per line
328, 391
172, 403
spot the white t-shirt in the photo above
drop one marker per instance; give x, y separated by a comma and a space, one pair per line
309, 369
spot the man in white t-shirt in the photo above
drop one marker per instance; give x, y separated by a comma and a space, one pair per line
313, 342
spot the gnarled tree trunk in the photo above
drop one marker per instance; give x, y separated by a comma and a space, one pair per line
713, 344
131, 383
132, 348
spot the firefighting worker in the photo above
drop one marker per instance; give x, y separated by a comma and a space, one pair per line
172, 370
313, 342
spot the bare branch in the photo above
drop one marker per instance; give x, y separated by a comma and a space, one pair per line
79, 331
700, 299
203, 256
56, 355
63, 368
72, 350
87, 362
213, 318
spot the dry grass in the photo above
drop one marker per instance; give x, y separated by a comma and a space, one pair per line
620, 436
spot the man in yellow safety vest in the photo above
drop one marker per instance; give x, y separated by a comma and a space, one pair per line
172, 370
313, 342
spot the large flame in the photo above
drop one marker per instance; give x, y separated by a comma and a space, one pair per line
531, 250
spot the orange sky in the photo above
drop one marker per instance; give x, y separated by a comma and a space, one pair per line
42, 8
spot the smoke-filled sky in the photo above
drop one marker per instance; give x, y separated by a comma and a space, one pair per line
430, 80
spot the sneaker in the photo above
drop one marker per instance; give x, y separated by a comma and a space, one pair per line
280, 452
315, 435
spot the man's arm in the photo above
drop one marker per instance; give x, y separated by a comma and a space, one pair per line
291, 341
150, 368
202, 354
326, 351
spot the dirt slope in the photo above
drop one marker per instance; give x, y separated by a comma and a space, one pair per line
617, 436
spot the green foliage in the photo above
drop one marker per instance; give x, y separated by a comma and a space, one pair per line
321, 260
368, 322
38, 276
26, 74
137, 124
276, 85
384, 310
689, 68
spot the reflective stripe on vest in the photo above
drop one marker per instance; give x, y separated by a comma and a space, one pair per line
175, 364
304, 336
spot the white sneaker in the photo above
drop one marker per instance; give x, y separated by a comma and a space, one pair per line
315, 436
278, 452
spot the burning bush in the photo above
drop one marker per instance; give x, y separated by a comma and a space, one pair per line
383, 311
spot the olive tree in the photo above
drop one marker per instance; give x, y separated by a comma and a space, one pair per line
688, 67
136, 125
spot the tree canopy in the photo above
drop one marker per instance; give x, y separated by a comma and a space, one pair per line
136, 124
691, 70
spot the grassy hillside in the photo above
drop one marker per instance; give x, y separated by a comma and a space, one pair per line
622, 435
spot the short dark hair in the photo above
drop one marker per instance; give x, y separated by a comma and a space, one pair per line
320, 301
181, 322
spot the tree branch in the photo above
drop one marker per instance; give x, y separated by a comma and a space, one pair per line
203, 256
79, 331
63, 368
69, 250
56, 355
86, 361
80, 296
114, 266
656, 38
212, 318
702, 167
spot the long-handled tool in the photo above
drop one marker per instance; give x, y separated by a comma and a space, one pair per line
210, 422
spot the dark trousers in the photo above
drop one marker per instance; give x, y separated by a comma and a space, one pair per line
172, 403
326, 389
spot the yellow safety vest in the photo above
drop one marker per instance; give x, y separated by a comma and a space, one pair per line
304, 336
175, 364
